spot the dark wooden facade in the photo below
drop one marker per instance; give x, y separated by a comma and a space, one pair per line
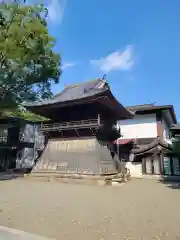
20, 143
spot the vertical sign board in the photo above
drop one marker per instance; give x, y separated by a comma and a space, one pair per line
167, 166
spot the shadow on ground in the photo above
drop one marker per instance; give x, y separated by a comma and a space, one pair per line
171, 184
14, 173
4, 176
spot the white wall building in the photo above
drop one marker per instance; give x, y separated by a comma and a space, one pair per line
142, 126
150, 132
150, 121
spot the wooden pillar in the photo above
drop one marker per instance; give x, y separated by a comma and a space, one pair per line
152, 164
159, 125
171, 165
99, 119
162, 162
143, 159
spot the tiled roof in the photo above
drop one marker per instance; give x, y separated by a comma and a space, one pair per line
139, 109
140, 149
175, 127
147, 107
75, 92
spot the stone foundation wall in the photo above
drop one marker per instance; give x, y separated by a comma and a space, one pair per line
81, 156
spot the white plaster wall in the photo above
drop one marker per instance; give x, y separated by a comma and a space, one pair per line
141, 126
135, 169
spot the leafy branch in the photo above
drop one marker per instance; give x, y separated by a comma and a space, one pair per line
28, 63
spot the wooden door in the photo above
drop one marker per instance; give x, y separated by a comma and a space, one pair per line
156, 164
148, 161
176, 166
167, 166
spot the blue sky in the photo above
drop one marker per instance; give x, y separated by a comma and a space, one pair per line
136, 43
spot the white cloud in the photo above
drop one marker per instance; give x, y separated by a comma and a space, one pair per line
118, 60
56, 10
68, 65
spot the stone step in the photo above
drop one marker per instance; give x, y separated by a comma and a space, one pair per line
88, 181
69, 175
50, 176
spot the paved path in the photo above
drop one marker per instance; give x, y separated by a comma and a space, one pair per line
13, 234
140, 209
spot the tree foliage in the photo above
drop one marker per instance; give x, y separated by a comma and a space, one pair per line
176, 146
28, 64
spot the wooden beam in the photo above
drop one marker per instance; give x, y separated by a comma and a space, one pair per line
162, 162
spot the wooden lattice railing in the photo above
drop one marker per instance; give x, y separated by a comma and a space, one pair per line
90, 123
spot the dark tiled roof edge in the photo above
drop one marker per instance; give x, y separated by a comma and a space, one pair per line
175, 126
152, 145
151, 107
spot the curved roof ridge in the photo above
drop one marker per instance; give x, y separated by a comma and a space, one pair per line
152, 145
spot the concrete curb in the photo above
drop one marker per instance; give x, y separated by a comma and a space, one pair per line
9, 233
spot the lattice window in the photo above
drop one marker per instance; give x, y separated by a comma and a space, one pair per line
21, 134
3, 134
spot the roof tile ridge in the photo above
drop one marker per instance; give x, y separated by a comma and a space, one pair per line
58, 94
81, 83
76, 85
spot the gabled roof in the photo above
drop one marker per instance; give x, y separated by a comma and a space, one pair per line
147, 108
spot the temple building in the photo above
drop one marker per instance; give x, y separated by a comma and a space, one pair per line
146, 141
82, 129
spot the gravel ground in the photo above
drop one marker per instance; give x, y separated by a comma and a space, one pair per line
139, 209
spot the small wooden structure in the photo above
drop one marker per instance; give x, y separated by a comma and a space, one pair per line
151, 157
20, 143
81, 130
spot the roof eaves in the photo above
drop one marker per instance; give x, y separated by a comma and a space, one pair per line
150, 107
152, 145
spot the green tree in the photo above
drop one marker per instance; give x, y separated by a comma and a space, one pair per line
28, 64
176, 146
